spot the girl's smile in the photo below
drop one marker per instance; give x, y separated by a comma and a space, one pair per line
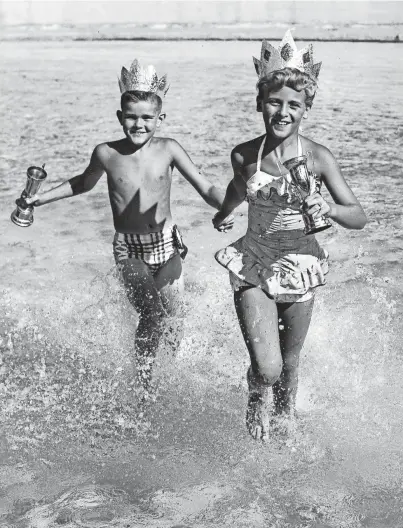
283, 110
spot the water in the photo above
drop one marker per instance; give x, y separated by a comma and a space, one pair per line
71, 452
211, 19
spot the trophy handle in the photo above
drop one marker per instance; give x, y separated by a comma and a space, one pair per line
311, 169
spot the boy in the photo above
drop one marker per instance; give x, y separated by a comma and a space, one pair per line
147, 245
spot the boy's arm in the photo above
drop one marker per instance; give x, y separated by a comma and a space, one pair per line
210, 193
78, 184
346, 209
236, 191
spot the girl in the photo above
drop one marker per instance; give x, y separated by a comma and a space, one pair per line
275, 268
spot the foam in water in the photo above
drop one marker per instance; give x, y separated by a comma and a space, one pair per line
65, 384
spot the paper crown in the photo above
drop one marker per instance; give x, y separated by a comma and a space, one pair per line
142, 79
286, 56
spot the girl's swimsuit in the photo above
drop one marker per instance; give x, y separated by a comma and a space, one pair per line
275, 254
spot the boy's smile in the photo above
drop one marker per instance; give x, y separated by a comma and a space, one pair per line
140, 120
283, 110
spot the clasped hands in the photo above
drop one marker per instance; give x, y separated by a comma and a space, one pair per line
223, 224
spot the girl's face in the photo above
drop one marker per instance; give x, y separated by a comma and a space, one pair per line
282, 110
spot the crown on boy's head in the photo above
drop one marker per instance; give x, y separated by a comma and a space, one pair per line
143, 79
286, 56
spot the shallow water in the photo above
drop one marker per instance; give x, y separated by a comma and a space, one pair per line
71, 452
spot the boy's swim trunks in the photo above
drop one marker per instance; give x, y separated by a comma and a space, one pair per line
154, 249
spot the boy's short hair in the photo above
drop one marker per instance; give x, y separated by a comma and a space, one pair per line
133, 96
293, 78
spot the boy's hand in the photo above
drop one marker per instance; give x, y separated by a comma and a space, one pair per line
24, 201
316, 206
223, 224
21, 202
30, 200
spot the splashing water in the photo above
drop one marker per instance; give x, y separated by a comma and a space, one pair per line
73, 449
69, 422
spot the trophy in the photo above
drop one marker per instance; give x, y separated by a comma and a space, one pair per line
306, 184
23, 214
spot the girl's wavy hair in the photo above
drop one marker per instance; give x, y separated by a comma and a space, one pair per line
291, 77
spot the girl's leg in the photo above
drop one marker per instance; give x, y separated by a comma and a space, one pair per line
295, 320
258, 319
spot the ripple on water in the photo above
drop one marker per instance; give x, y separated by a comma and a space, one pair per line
91, 506
88, 506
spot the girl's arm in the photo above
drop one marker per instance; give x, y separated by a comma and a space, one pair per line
236, 191
77, 185
346, 209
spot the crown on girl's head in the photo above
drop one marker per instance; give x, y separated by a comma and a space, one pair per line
143, 80
286, 56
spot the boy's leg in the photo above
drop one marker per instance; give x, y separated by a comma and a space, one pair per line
258, 319
169, 282
145, 298
295, 320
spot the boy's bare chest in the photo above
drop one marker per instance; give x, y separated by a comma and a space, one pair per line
128, 176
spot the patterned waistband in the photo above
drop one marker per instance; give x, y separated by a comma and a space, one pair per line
155, 249
152, 248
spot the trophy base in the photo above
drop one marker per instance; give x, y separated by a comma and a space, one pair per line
21, 219
315, 225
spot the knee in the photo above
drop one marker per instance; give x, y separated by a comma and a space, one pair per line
151, 318
175, 309
162, 322
268, 372
270, 376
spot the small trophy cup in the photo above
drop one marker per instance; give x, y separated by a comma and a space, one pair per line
305, 182
23, 215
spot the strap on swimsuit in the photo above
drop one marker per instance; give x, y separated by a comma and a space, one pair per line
259, 156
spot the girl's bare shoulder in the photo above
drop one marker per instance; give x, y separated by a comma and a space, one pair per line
324, 162
246, 153
320, 152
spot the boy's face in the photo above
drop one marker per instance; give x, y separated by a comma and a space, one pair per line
282, 110
140, 120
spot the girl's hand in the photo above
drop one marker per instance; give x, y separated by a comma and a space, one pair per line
223, 224
316, 206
